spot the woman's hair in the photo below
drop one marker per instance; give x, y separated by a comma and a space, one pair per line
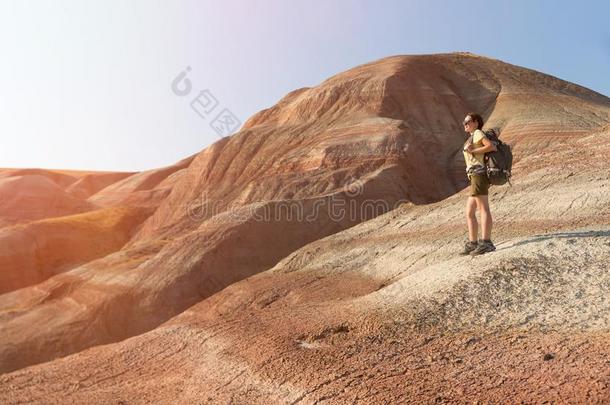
476, 117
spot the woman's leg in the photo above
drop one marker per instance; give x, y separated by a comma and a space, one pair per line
485, 213
471, 218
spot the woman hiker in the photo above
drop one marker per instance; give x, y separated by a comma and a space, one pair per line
474, 152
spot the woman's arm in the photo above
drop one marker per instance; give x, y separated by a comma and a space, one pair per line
488, 146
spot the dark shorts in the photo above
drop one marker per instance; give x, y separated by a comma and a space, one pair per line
479, 185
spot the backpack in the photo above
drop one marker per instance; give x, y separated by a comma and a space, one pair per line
499, 163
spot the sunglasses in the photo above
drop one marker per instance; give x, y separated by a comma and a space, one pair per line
467, 122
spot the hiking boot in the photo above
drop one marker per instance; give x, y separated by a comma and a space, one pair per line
469, 247
484, 246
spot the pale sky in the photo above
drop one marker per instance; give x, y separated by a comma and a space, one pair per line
88, 84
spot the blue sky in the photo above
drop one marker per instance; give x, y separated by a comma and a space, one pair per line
88, 84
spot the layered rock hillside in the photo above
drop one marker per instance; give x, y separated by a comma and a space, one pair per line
312, 256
